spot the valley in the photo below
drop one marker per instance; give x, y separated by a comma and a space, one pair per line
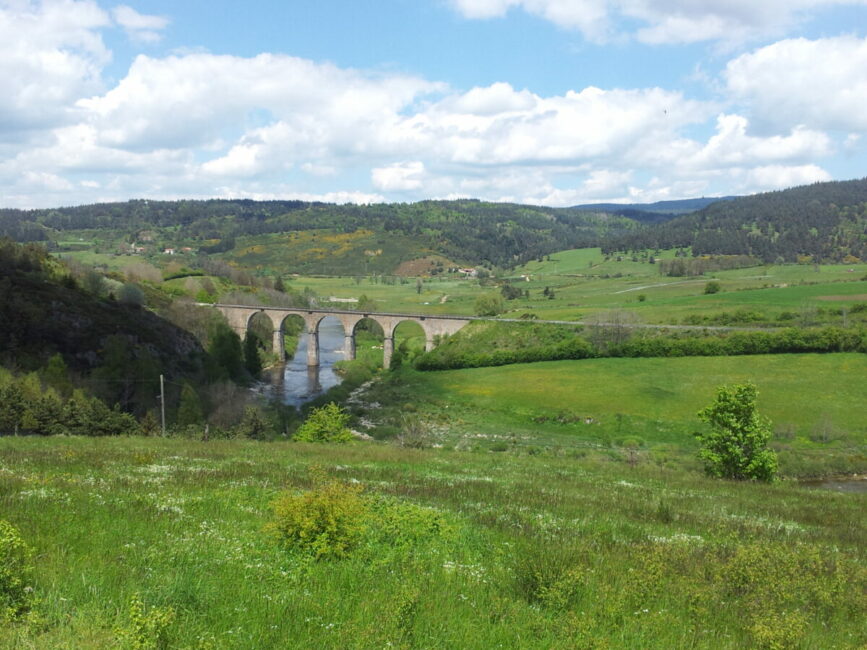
523, 484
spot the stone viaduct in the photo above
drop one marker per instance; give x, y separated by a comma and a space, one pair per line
239, 317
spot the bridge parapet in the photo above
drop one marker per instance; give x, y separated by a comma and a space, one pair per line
240, 317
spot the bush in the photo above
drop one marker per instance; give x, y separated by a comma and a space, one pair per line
326, 522
131, 294
325, 424
147, 628
490, 304
736, 447
16, 594
712, 287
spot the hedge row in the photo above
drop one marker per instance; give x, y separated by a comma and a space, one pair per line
789, 340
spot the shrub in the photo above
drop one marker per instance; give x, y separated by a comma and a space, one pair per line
325, 424
736, 446
712, 287
490, 304
404, 525
147, 629
253, 425
326, 522
131, 294
16, 594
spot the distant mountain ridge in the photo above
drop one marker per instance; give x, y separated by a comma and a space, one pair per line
657, 212
822, 222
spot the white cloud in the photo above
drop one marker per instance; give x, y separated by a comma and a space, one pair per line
183, 101
199, 124
662, 21
51, 54
139, 27
820, 83
773, 177
399, 177
732, 146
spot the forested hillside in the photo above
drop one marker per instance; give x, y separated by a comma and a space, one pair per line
114, 347
823, 222
467, 231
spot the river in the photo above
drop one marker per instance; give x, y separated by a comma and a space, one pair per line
294, 382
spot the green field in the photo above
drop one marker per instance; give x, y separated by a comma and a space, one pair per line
490, 550
811, 399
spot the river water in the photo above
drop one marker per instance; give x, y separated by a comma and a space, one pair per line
293, 382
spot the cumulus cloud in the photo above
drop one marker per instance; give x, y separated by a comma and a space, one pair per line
269, 126
773, 177
661, 21
820, 83
189, 100
139, 27
51, 53
399, 177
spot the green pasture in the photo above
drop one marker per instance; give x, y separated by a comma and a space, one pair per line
813, 400
456, 550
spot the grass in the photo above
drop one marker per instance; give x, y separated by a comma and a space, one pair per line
534, 551
651, 403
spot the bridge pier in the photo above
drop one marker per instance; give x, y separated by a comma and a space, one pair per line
387, 351
349, 346
313, 348
279, 346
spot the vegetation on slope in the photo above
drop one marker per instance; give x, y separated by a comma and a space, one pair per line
163, 541
823, 222
468, 231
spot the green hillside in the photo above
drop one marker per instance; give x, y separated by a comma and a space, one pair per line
823, 222
466, 231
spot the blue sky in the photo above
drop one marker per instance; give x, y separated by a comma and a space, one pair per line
554, 102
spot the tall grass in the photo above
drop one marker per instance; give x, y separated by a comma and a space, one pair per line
541, 551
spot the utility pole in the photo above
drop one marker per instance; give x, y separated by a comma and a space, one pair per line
163, 403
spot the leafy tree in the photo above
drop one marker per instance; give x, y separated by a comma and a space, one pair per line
189, 409
736, 447
712, 287
227, 359
12, 408
56, 374
325, 424
489, 304
252, 362
131, 294
253, 425
278, 285
511, 292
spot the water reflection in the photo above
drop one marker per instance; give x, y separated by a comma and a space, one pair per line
294, 382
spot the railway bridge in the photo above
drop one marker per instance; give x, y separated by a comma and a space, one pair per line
240, 316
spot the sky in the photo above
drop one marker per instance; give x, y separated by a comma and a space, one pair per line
547, 102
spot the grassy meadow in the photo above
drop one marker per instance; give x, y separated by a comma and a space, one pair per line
645, 406
549, 505
467, 549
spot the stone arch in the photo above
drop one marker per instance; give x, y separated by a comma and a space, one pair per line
292, 325
409, 334
314, 322
365, 323
261, 325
